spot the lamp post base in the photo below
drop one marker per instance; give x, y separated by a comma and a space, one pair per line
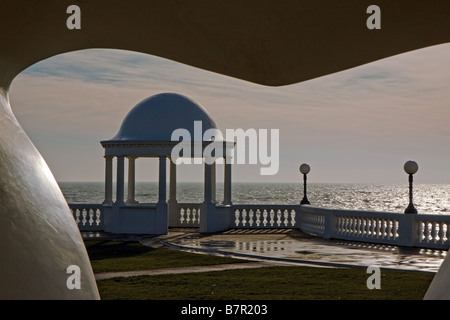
410, 209
305, 201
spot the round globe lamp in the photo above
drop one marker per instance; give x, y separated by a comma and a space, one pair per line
304, 169
411, 167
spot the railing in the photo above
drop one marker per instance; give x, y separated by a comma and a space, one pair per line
312, 223
432, 231
413, 230
264, 216
188, 214
89, 217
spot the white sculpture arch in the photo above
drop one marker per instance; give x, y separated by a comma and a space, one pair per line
273, 44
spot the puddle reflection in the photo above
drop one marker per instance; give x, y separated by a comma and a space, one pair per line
338, 252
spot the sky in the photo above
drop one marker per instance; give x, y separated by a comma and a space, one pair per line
356, 126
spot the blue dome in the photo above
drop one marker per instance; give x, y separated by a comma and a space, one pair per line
155, 118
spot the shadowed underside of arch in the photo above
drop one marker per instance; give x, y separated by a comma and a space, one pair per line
262, 41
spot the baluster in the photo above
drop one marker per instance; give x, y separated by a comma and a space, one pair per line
441, 232
427, 231
351, 226
346, 225
433, 232
98, 215
339, 225
91, 217
421, 231
237, 215
286, 218
396, 235
383, 228
355, 226
265, 217
376, 227
446, 233
194, 214
84, 214
343, 225
293, 218
358, 226
389, 228
188, 215
77, 216
258, 216
182, 213
278, 217
244, 217
250, 218
343, 222
272, 215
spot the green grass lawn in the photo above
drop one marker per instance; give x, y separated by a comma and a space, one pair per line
269, 283
109, 256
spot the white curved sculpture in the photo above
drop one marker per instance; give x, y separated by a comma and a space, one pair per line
439, 287
38, 237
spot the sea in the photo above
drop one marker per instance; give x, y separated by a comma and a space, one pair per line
428, 198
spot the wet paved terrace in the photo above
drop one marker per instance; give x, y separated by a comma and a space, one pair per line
298, 248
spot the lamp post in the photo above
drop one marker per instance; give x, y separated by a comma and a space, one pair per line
410, 168
304, 169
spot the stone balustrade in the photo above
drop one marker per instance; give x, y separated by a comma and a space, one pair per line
412, 230
263, 216
189, 214
89, 217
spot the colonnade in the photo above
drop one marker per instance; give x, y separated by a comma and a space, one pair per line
209, 181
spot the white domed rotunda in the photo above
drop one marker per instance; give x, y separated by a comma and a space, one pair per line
147, 131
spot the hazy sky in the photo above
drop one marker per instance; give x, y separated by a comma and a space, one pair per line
358, 125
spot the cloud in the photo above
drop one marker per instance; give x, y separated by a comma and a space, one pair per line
359, 119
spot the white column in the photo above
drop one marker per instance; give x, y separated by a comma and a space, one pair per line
227, 184
108, 180
162, 216
131, 180
207, 186
213, 182
120, 180
209, 220
173, 181
173, 203
162, 180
